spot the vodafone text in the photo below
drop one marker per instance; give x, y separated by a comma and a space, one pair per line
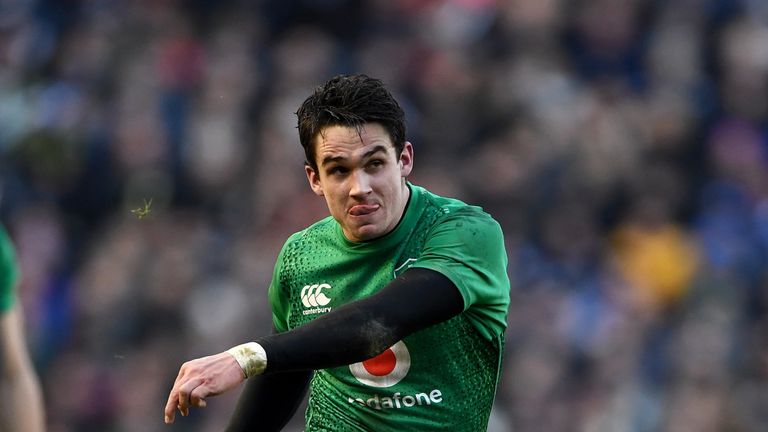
381, 402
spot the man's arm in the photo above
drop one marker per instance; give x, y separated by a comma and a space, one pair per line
19, 387
360, 330
417, 299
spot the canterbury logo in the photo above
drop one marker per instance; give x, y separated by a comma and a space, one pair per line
313, 295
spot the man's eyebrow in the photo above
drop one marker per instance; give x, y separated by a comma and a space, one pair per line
329, 159
373, 151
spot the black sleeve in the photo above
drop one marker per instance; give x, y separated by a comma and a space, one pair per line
360, 330
269, 401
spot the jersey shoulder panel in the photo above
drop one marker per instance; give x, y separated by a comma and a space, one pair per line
466, 244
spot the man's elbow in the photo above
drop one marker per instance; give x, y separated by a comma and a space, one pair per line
379, 336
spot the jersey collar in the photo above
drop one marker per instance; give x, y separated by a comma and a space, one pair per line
397, 235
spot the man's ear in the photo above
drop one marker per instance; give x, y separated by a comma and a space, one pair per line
314, 180
406, 160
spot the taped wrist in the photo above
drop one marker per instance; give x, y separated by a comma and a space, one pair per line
251, 357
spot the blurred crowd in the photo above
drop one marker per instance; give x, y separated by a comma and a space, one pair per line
621, 144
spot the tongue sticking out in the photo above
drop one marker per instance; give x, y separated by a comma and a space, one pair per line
362, 210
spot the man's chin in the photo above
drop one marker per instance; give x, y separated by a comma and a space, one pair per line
366, 233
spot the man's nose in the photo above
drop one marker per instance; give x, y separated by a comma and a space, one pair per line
361, 184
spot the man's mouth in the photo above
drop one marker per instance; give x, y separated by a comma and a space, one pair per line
363, 209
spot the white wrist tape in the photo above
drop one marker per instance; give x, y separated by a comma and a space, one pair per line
251, 357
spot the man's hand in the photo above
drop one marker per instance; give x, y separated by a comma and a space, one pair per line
200, 378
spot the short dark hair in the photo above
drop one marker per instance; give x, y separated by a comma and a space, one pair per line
351, 101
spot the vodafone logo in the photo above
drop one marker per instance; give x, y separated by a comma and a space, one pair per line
386, 369
313, 296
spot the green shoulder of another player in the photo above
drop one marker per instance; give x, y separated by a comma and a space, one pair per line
9, 271
441, 378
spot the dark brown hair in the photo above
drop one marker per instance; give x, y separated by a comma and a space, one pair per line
351, 101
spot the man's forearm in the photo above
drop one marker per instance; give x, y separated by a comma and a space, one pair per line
360, 330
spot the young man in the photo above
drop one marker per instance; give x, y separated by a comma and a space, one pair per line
397, 301
22, 402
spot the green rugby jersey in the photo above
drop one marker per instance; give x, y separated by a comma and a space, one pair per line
8, 271
441, 378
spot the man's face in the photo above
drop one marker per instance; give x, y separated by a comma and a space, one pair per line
361, 178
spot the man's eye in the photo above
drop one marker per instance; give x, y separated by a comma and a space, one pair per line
376, 163
337, 170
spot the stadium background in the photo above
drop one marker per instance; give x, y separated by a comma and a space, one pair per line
621, 144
